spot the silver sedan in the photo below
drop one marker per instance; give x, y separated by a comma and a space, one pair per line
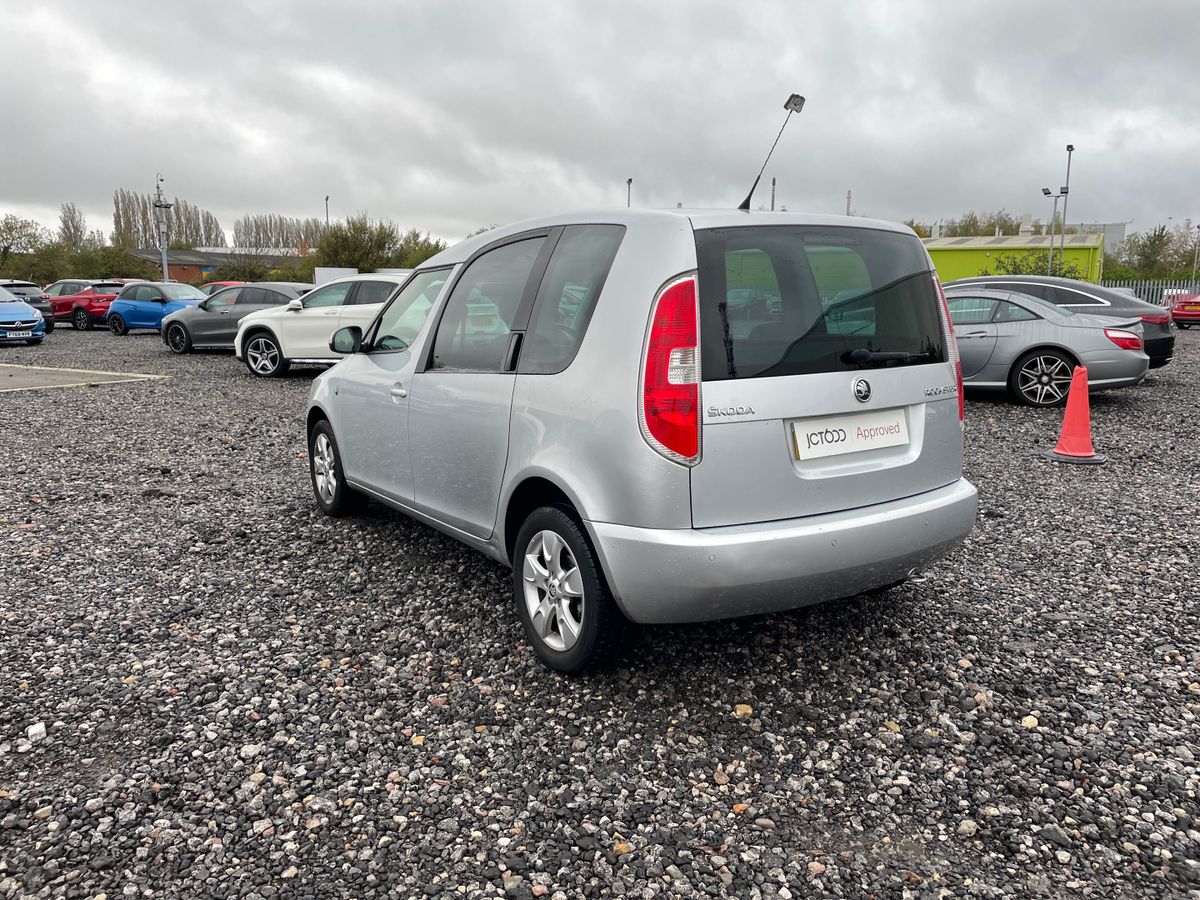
1030, 347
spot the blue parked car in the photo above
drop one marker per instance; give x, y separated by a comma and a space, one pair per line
19, 322
145, 303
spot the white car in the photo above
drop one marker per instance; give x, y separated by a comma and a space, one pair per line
271, 340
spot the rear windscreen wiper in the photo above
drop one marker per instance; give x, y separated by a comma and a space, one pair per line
863, 357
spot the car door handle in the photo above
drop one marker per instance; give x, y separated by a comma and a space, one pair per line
334, 312
976, 334
399, 391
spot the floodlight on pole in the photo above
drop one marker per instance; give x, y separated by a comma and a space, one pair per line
1066, 188
326, 210
628, 192
1053, 222
161, 206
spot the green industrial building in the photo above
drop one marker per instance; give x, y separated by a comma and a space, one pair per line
964, 257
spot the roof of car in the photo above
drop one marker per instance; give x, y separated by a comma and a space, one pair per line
698, 218
17, 282
393, 277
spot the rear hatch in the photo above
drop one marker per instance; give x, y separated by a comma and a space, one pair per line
826, 376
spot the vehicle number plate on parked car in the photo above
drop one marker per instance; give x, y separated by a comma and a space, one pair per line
852, 433
19, 334
1192, 307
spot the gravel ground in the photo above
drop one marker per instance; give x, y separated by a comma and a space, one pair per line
210, 690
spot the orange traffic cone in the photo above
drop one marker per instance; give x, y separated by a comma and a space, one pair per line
1075, 440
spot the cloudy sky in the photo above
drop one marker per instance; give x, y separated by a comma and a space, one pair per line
447, 116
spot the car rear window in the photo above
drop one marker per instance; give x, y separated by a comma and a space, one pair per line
791, 300
106, 287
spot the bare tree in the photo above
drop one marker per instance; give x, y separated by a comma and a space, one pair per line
270, 231
135, 223
72, 226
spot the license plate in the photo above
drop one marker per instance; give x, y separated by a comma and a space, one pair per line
852, 433
18, 334
1192, 307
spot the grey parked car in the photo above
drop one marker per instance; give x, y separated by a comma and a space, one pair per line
1031, 347
665, 416
213, 323
1084, 297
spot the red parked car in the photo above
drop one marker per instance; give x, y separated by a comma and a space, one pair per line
83, 302
1185, 310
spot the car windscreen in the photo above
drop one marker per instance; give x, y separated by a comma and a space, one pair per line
6, 297
181, 292
781, 300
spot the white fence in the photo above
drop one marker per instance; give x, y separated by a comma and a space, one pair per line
1158, 292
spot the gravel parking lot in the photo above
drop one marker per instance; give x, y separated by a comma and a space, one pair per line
210, 690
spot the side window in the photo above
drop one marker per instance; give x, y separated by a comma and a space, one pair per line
567, 296
329, 295
1010, 312
273, 298
227, 297
253, 295
55, 290
1068, 297
1041, 291
472, 335
972, 310
373, 292
402, 320
144, 292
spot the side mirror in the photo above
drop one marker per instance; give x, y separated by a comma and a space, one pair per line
345, 340
295, 305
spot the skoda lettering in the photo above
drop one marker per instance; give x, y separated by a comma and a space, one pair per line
714, 411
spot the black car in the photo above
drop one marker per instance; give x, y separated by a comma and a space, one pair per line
1081, 296
31, 294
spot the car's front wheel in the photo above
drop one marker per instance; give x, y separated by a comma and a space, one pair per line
49, 320
562, 598
1042, 378
81, 320
178, 338
334, 496
117, 325
264, 356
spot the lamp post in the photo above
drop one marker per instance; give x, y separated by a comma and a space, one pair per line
628, 191
326, 210
1053, 220
160, 207
1195, 253
1062, 244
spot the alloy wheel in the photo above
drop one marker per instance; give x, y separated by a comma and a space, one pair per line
263, 355
1044, 380
553, 590
324, 468
177, 339
81, 320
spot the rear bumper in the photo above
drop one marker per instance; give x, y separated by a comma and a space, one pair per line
1160, 350
1187, 316
1114, 368
693, 575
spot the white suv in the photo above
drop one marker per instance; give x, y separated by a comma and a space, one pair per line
271, 340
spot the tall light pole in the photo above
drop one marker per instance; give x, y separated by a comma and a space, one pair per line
1066, 188
160, 207
1195, 254
1053, 221
628, 191
326, 210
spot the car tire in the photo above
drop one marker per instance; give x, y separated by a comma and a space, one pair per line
178, 339
49, 325
334, 496
81, 320
116, 324
264, 356
1184, 325
1041, 378
562, 599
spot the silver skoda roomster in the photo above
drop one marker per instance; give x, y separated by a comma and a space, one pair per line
662, 416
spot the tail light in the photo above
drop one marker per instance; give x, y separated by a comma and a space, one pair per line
670, 383
1126, 340
951, 347
1157, 318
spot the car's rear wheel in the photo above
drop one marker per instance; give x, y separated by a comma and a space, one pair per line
117, 325
1042, 378
334, 496
264, 356
1184, 325
178, 338
81, 320
562, 598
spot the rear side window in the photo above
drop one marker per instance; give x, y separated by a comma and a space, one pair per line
793, 300
1010, 312
1063, 296
472, 335
971, 310
373, 292
567, 296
